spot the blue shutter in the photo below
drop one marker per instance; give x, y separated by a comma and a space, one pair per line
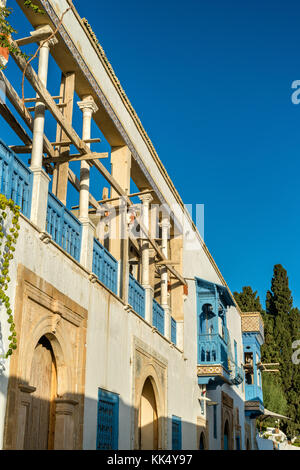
176, 433
108, 420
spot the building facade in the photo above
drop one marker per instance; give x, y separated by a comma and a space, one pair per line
128, 335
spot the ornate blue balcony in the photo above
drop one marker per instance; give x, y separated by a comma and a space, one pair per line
212, 366
254, 406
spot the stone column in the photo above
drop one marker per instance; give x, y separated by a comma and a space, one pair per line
64, 436
40, 177
165, 225
88, 107
23, 413
146, 199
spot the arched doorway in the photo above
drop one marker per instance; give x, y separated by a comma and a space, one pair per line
202, 442
148, 420
39, 434
226, 436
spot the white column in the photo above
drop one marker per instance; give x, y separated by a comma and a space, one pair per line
88, 107
165, 225
146, 199
40, 177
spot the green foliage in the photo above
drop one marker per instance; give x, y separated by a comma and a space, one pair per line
274, 396
6, 255
6, 30
282, 326
248, 300
33, 6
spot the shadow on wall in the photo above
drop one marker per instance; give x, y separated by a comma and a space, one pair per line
37, 417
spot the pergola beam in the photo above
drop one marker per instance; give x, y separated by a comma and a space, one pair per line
77, 157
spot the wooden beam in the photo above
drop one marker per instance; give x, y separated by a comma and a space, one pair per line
167, 262
129, 195
76, 157
16, 101
32, 39
14, 124
60, 173
28, 148
31, 109
31, 100
68, 142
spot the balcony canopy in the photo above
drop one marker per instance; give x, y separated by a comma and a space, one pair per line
222, 291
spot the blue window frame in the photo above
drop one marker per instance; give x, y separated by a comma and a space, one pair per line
176, 433
108, 420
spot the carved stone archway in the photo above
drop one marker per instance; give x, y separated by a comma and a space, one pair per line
227, 421
41, 311
148, 419
149, 367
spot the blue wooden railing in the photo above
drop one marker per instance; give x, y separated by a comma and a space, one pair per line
158, 317
136, 297
15, 179
105, 266
173, 331
212, 350
63, 226
253, 393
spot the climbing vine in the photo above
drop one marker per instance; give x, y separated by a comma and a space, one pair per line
8, 240
6, 30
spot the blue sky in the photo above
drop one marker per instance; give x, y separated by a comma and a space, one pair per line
211, 83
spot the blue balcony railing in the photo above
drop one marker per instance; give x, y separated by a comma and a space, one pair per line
15, 179
63, 226
212, 350
105, 266
158, 317
136, 296
253, 393
173, 331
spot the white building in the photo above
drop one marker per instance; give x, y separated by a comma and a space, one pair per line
123, 342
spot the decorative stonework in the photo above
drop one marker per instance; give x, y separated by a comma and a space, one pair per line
43, 311
237, 420
202, 428
216, 370
147, 363
252, 322
227, 416
248, 440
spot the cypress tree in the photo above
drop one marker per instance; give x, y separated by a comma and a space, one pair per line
248, 300
283, 320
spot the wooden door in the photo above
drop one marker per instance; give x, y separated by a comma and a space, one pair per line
41, 417
148, 422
